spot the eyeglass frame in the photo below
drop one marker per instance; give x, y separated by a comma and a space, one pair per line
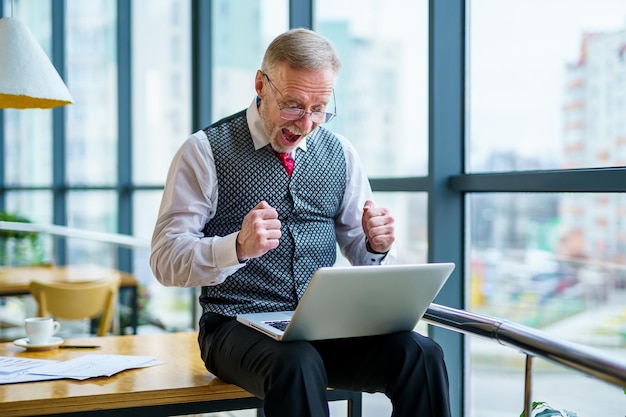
282, 110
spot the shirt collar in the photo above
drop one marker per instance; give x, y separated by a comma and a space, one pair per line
255, 124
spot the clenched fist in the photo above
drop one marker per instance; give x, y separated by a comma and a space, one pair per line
378, 226
260, 232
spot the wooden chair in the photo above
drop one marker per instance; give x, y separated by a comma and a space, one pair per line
78, 300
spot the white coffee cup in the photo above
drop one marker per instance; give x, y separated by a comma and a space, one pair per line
40, 329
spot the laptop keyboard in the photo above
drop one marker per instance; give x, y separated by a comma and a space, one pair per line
280, 324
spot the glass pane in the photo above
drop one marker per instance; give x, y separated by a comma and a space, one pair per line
167, 308
94, 211
498, 390
33, 207
382, 89
28, 133
91, 148
247, 28
161, 84
410, 212
36, 206
553, 262
546, 89
145, 206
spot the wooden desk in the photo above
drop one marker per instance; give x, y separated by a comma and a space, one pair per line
180, 386
14, 281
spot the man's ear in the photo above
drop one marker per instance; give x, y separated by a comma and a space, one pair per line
259, 84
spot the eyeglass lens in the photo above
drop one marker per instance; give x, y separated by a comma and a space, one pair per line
297, 114
293, 114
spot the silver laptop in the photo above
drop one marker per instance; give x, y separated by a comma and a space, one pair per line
356, 301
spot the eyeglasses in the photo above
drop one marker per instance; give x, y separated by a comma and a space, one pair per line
293, 113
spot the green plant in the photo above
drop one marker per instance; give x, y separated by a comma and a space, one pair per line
542, 409
19, 247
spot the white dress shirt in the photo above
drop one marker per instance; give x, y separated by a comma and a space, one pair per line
182, 256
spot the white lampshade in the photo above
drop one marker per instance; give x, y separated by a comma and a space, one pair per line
27, 77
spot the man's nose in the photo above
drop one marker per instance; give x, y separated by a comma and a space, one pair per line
306, 122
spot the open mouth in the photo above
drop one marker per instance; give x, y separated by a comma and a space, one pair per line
290, 136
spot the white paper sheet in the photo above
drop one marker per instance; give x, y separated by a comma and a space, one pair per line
13, 370
90, 366
12, 364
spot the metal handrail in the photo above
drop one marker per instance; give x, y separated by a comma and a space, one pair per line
532, 342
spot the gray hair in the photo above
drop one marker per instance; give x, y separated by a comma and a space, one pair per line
301, 49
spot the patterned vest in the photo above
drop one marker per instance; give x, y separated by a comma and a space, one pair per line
306, 203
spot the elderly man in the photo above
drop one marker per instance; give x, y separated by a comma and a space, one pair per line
252, 206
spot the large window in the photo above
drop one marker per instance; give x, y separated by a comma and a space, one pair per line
382, 90
28, 134
91, 132
161, 119
547, 84
161, 86
237, 58
382, 97
546, 91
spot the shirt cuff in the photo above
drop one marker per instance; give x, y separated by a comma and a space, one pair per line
373, 258
370, 250
225, 250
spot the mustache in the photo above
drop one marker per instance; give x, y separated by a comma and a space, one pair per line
295, 130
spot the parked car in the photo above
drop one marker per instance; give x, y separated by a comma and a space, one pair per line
550, 284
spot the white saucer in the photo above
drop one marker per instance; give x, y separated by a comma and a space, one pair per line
53, 343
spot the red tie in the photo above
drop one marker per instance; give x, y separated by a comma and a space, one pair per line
287, 162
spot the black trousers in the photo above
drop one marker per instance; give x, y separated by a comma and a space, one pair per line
291, 377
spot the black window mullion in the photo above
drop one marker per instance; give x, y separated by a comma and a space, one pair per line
59, 187
403, 184
201, 63
124, 126
301, 14
2, 144
597, 180
446, 156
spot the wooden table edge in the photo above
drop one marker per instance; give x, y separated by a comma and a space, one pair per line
122, 401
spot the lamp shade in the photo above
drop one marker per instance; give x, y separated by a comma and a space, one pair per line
27, 77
